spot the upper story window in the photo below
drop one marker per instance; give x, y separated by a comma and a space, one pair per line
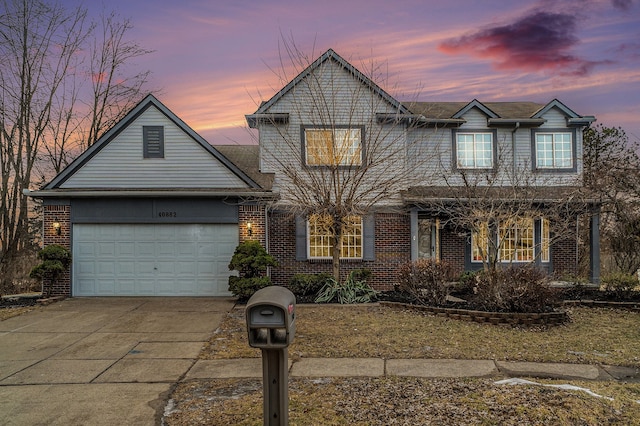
153, 141
332, 146
320, 237
554, 150
474, 150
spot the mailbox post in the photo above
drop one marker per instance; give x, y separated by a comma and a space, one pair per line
271, 327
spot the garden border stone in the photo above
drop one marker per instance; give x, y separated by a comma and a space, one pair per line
496, 318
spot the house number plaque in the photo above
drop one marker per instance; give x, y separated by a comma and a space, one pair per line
167, 214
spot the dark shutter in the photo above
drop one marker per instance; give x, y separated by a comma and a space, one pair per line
369, 237
153, 141
301, 238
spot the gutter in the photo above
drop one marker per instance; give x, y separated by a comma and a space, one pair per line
143, 193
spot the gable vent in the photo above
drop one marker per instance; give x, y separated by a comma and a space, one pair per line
153, 141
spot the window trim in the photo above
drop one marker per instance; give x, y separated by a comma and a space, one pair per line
362, 243
145, 142
454, 148
303, 140
534, 150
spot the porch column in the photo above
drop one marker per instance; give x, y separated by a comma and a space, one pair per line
594, 246
414, 233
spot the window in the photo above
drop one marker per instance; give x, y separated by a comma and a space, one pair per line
320, 239
480, 243
153, 141
474, 150
554, 150
516, 241
333, 147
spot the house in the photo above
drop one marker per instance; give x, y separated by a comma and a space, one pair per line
153, 209
499, 180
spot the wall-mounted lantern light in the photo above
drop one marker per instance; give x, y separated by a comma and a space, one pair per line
56, 226
249, 229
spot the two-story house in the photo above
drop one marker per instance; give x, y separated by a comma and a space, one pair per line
153, 209
464, 182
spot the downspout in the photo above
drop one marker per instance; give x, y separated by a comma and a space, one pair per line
513, 146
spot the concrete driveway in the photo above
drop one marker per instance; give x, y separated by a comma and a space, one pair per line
101, 361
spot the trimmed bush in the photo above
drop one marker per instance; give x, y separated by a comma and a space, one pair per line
426, 280
55, 261
515, 289
308, 284
244, 288
251, 260
351, 291
619, 286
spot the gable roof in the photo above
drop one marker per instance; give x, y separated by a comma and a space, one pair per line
146, 103
435, 110
329, 55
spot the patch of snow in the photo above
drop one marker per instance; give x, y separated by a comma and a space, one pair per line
516, 381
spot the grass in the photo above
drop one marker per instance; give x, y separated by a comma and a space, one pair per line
593, 336
415, 401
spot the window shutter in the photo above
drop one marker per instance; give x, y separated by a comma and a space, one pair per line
301, 238
369, 237
153, 141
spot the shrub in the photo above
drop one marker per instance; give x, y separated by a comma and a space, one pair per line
351, 291
515, 289
244, 288
55, 261
362, 274
307, 284
426, 280
619, 286
251, 260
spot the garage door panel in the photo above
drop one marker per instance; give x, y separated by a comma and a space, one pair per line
152, 260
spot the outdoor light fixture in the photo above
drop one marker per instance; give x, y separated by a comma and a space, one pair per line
249, 229
57, 227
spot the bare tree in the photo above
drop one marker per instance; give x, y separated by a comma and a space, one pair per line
355, 143
612, 173
44, 107
38, 44
497, 209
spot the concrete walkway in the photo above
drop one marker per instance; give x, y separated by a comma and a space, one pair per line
428, 368
101, 361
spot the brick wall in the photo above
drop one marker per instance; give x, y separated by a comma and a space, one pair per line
62, 215
392, 247
564, 256
452, 249
255, 215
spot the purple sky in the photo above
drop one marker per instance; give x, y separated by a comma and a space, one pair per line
213, 60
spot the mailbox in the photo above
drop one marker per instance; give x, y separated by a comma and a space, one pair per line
271, 318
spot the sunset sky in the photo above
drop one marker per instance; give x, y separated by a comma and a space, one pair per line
214, 60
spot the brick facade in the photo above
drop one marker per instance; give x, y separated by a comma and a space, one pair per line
564, 257
255, 215
452, 249
62, 215
392, 248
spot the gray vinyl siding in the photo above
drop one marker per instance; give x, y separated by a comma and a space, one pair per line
351, 104
121, 163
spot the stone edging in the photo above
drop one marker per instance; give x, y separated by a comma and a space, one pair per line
502, 318
634, 306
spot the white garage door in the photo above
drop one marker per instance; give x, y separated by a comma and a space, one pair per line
152, 260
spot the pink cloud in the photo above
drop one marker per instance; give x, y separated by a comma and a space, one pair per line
538, 41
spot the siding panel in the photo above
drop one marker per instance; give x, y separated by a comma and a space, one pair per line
186, 164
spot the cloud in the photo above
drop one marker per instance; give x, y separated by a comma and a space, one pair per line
623, 5
538, 41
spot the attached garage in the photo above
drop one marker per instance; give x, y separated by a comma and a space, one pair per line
152, 259
151, 209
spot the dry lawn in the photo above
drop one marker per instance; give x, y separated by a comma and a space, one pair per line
593, 336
